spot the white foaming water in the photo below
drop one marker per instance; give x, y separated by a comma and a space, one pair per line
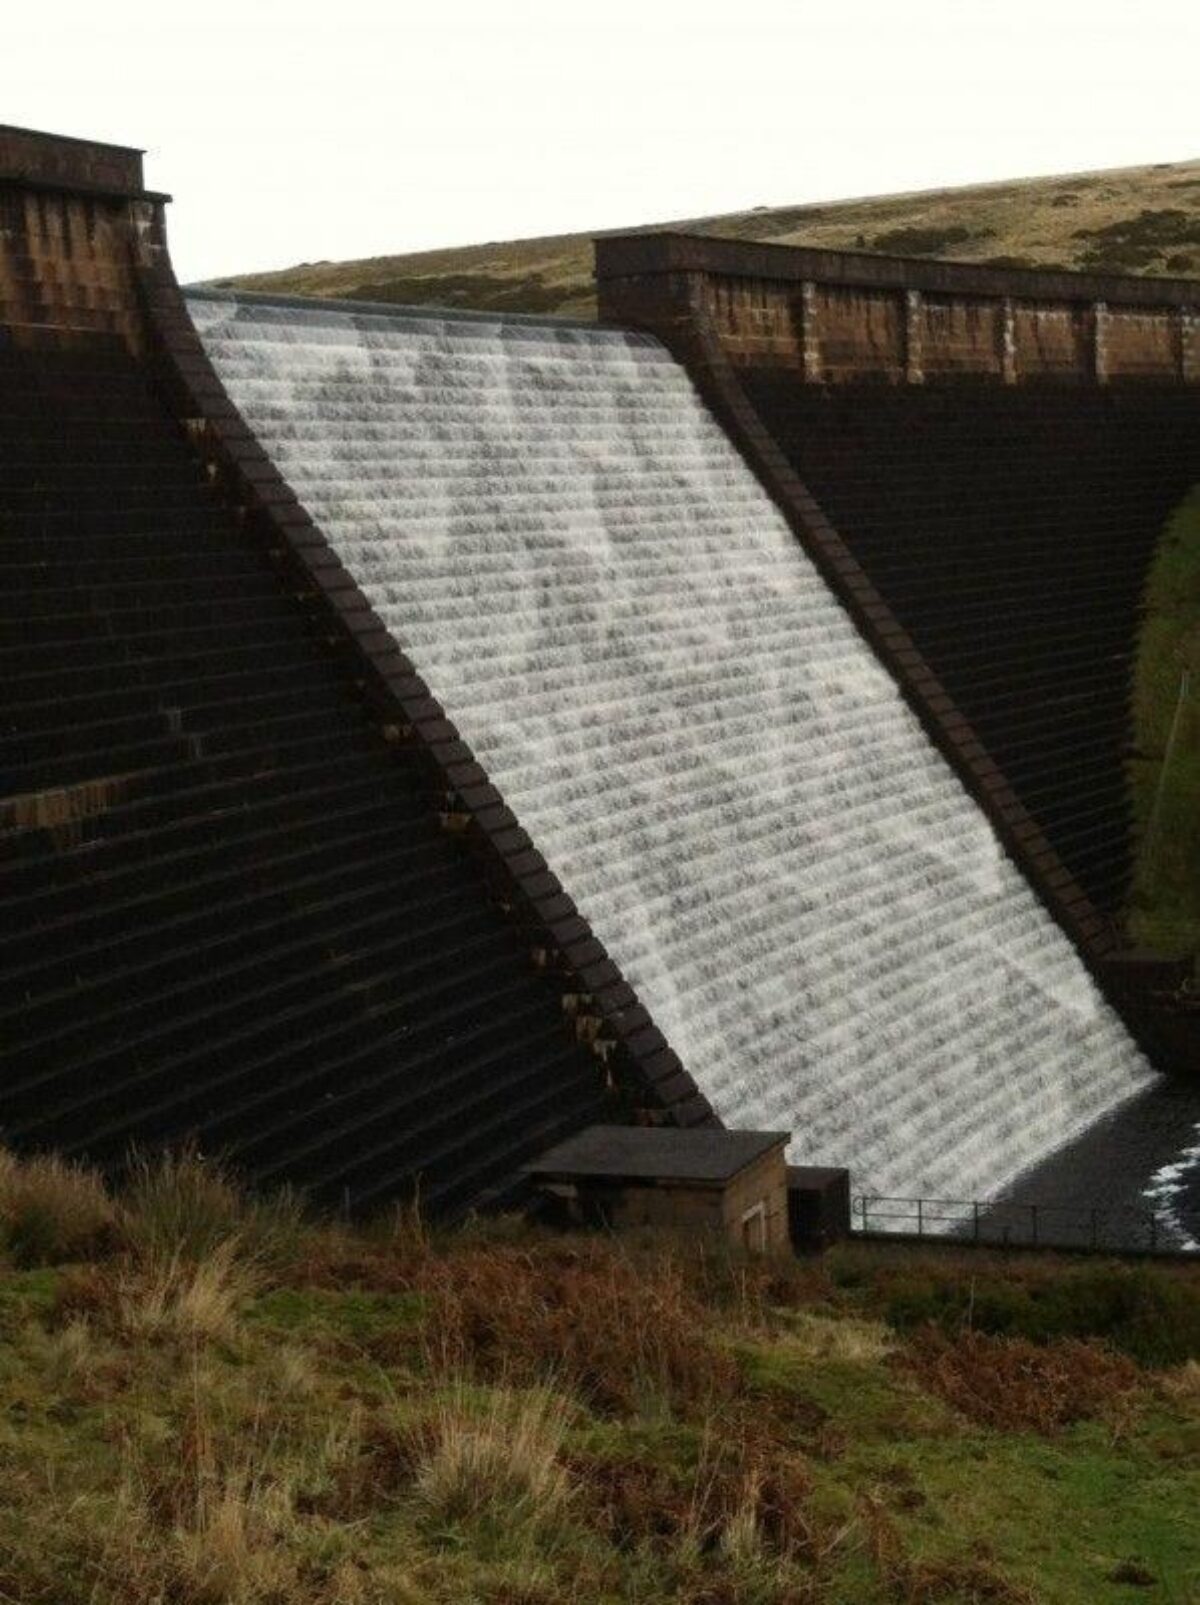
684, 719
1169, 1189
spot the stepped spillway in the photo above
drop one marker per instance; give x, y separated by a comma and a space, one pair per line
689, 727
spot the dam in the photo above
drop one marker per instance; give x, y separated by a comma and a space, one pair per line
673, 703
426, 735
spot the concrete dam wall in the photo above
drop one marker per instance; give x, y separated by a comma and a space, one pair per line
1012, 533
999, 452
236, 906
402, 768
982, 462
682, 715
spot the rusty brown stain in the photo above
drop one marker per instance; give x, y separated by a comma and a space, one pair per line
62, 809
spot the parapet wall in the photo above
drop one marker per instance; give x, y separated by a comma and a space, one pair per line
840, 317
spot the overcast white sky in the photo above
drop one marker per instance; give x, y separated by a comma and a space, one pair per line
292, 132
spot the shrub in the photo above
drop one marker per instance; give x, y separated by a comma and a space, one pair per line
926, 241
1148, 1312
52, 1210
1018, 1386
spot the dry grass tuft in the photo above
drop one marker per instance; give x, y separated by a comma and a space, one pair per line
748, 1501
52, 1210
1017, 1386
494, 1460
187, 1301
752, 1501
582, 1311
172, 1299
827, 1337
1182, 1386
181, 1206
230, 1549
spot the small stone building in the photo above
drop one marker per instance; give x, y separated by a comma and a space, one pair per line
730, 1183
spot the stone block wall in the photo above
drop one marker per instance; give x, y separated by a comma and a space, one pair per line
74, 216
837, 317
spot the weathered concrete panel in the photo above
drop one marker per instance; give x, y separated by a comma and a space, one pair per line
74, 218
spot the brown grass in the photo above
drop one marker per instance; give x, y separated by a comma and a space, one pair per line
209, 1515
748, 1498
1181, 1387
169, 1300
1018, 1386
52, 1211
829, 1337
497, 1458
584, 1312
499, 1415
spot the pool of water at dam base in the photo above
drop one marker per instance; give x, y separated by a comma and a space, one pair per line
681, 715
1143, 1156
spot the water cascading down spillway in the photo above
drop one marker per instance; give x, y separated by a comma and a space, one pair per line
687, 724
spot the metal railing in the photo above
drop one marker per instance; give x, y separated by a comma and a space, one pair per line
1003, 1224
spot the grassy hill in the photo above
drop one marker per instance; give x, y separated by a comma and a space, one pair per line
208, 1401
1134, 219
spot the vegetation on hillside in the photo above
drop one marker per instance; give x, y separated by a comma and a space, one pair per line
1165, 768
1136, 219
207, 1400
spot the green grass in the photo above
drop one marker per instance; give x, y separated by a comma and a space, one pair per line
1165, 773
1137, 219
370, 1422
903, 1497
